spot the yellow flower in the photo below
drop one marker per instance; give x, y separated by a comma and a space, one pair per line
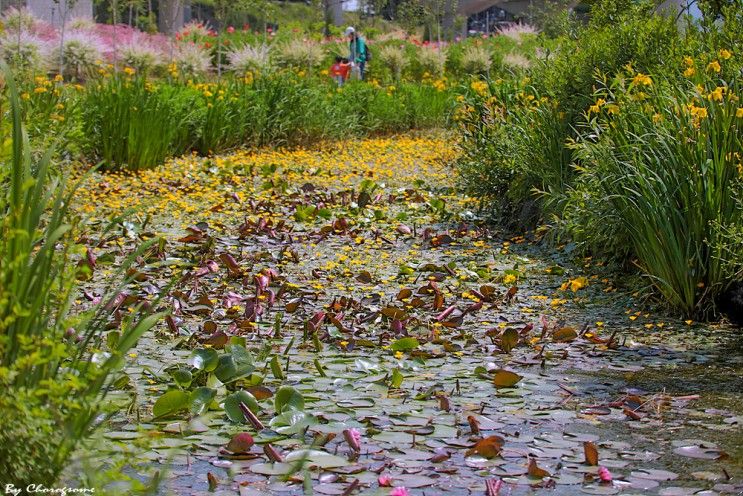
716, 94
25, 96
399, 354
689, 72
739, 113
58, 78
688, 61
698, 112
575, 284
460, 98
725, 54
479, 87
642, 79
129, 70
714, 66
657, 118
509, 279
40, 89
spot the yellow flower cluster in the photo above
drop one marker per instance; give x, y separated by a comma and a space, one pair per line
697, 112
479, 87
642, 80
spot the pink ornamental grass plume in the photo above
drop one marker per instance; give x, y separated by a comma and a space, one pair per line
399, 491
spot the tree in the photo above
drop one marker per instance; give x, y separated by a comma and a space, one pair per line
64, 7
169, 13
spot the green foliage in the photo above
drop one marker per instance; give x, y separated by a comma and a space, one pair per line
668, 165
645, 168
130, 124
53, 371
134, 124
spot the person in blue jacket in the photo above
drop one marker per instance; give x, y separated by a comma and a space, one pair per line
359, 54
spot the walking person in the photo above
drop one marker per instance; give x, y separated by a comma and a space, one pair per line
359, 52
340, 70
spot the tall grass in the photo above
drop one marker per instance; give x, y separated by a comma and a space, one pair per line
55, 367
131, 124
667, 159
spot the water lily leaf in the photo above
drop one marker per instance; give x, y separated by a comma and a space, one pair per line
170, 403
288, 398
654, 474
396, 379
272, 468
317, 458
232, 406
404, 344
122, 435
226, 369
276, 370
182, 376
506, 378
413, 480
200, 399
565, 335
293, 422
204, 359
509, 339
701, 452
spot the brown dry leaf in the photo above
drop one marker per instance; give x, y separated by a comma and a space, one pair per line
489, 447
591, 453
536, 471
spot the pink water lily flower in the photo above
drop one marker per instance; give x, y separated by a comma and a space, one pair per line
605, 475
384, 480
399, 491
353, 438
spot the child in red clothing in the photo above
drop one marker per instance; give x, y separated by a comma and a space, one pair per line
340, 70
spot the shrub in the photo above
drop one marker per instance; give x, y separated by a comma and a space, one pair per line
248, 58
518, 31
300, 54
516, 61
393, 58
15, 19
81, 53
193, 32
141, 56
25, 52
191, 61
81, 24
54, 376
476, 60
431, 60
